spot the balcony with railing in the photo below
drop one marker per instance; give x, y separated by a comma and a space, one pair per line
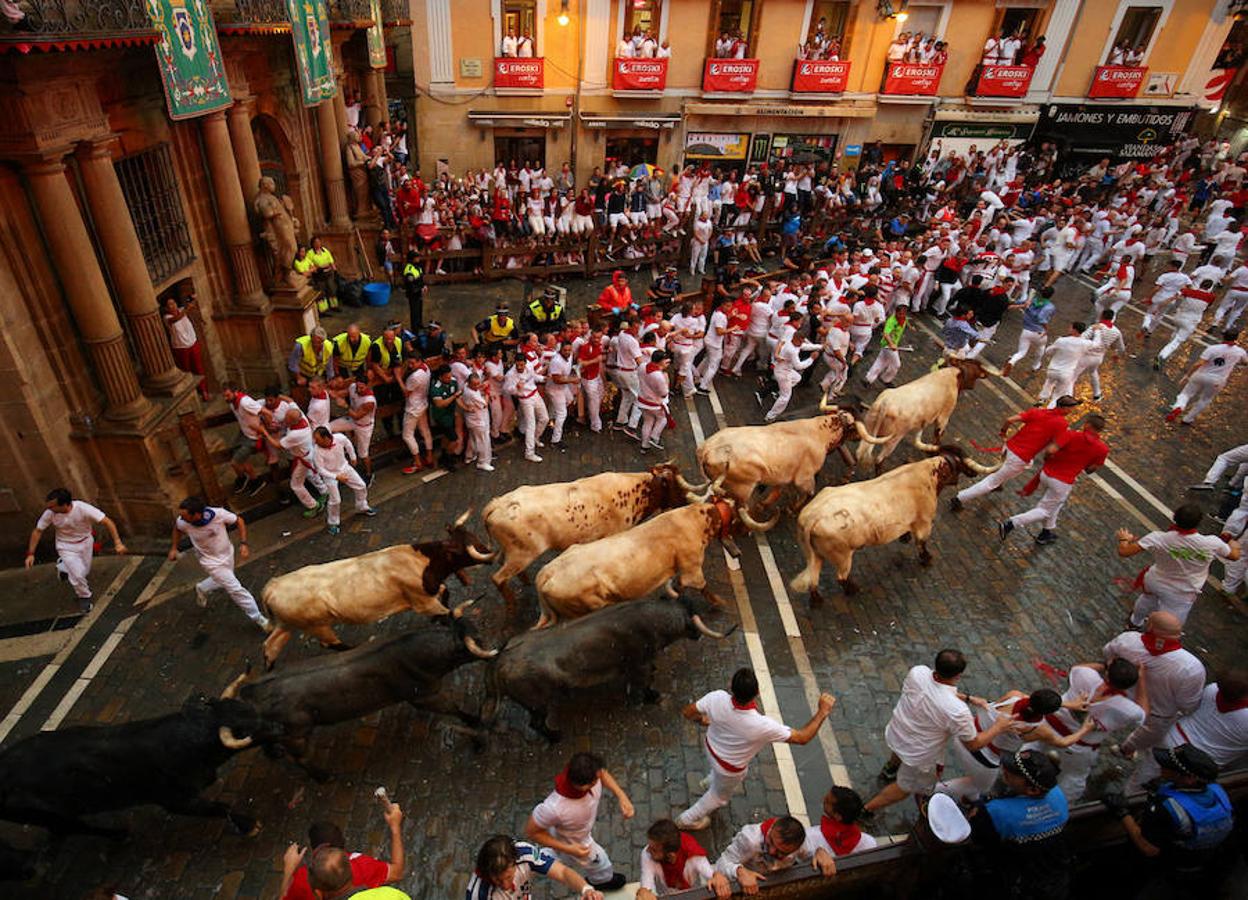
350, 13
251, 15
76, 24
396, 12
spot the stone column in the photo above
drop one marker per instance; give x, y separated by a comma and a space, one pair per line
231, 210
379, 109
244, 143
85, 289
331, 165
126, 265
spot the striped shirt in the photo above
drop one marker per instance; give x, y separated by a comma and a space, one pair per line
529, 859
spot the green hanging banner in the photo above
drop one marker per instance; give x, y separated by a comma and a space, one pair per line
189, 57
314, 54
377, 39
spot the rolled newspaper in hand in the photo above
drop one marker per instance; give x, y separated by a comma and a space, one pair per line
383, 797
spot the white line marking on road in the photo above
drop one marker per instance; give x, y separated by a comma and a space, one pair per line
154, 585
80, 630
695, 424
88, 674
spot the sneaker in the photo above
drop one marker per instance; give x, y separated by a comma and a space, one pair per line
239, 483
1046, 537
702, 392
370, 512
655, 445
411, 470
265, 625
955, 505
1203, 486
758, 397
1174, 414
485, 467
85, 605
617, 881
201, 597
532, 457
618, 426
1096, 398
256, 487
333, 529
1004, 527
628, 432
700, 825
644, 448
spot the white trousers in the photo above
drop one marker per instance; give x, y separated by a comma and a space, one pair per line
223, 577
333, 486
1196, 395
710, 366
1029, 341
684, 354
1183, 329
1050, 505
1236, 456
1153, 600
412, 424
1231, 308
653, 421
1115, 300
502, 414
559, 408
593, 402
885, 367
946, 293
1091, 367
859, 337
479, 450
748, 348
1012, 467
533, 419
301, 473
697, 258
723, 785
786, 379
629, 412
1157, 309
74, 559
834, 382
1057, 383
597, 869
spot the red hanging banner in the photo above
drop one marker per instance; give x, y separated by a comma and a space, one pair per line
639, 75
513, 72
1003, 81
733, 76
913, 78
1122, 82
820, 76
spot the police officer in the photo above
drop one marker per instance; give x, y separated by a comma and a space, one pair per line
499, 328
414, 287
545, 314
1184, 823
1023, 827
664, 289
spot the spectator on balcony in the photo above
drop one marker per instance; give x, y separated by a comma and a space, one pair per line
993, 50
1118, 54
724, 45
898, 49
510, 44
664, 51
649, 46
625, 49
1134, 57
13, 15
940, 54
524, 46
1011, 46
1032, 55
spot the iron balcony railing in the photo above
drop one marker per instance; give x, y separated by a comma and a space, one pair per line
86, 17
350, 10
400, 10
255, 12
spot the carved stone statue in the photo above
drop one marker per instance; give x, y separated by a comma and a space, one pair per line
357, 169
280, 230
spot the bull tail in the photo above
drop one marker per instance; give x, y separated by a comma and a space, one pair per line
807, 579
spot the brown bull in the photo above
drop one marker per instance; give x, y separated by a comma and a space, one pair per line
910, 408
898, 504
525, 523
368, 588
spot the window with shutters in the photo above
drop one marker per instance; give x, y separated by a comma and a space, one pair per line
151, 193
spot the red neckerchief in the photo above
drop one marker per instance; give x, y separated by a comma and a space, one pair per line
302, 423
653, 367
1227, 706
766, 827
238, 398
565, 788
1157, 645
323, 395
1022, 709
841, 838
1182, 530
674, 872
753, 704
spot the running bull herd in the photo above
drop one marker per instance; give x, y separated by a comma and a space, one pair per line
620, 537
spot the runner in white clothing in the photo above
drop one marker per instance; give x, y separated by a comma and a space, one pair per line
1218, 726
1066, 355
1180, 566
652, 399
1168, 285
1234, 301
73, 522
716, 333
788, 370
416, 413
296, 440
533, 413
1191, 308
1104, 336
476, 410
335, 457
207, 526
736, 732
1207, 377
671, 862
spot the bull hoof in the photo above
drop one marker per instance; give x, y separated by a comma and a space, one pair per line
849, 587
925, 558
905, 538
731, 546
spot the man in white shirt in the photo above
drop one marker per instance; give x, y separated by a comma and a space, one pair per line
1104, 336
736, 732
671, 862
1193, 301
759, 850
628, 358
1175, 678
1219, 725
789, 365
838, 832
246, 410
73, 521
476, 410
533, 412
207, 526
930, 711
1168, 285
335, 458
564, 821
625, 49
1207, 377
1066, 356
716, 333
1104, 688
699, 242
416, 413
509, 43
1180, 566
1235, 300
561, 386
296, 440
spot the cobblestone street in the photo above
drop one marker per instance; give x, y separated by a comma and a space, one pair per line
1008, 606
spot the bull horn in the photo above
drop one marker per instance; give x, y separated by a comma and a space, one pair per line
231, 690
475, 649
755, 525
478, 555
459, 610
825, 406
463, 519
230, 742
692, 488
717, 484
701, 626
868, 436
991, 370
926, 448
980, 467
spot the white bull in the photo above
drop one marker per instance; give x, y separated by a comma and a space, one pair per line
532, 519
635, 563
911, 407
897, 504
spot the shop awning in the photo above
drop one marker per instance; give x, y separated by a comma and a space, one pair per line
538, 118
656, 121
1024, 116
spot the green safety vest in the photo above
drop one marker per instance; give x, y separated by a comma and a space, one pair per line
353, 358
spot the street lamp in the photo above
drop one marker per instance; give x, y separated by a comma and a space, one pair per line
563, 14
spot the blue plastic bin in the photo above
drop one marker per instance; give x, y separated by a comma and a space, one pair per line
377, 293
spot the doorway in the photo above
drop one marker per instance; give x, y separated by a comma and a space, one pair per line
521, 146
631, 151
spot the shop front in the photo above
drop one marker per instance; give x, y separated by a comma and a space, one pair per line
724, 150
631, 139
755, 133
521, 136
802, 149
960, 132
1086, 132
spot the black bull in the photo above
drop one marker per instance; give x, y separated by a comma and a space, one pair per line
327, 689
53, 778
620, 642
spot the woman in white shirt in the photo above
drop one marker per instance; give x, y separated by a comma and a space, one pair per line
184, 342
